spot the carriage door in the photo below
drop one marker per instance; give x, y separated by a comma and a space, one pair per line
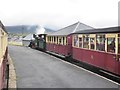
118, 61
111, 44
69, 45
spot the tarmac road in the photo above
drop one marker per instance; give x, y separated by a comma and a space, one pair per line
36, 69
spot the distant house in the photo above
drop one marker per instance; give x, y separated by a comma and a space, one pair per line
26, 41
39, 30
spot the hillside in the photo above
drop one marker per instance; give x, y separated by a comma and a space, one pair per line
24, 29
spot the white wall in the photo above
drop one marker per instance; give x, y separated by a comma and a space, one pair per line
25, 42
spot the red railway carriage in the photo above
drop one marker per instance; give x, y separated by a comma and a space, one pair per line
60, 42
59, 46
3, 57
98, 47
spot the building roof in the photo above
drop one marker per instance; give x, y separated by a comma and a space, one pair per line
28, 37
100, 30
70, 29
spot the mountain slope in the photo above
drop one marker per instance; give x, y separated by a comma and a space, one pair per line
24, 29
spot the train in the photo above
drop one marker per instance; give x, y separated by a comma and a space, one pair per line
39, 42
4, 65
99, 48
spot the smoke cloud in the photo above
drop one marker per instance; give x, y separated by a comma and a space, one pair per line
40, 30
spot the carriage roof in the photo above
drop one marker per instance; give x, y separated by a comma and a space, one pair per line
100, 30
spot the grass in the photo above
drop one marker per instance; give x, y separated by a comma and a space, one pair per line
15, 43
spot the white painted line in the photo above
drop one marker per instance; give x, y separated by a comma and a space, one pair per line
109, 73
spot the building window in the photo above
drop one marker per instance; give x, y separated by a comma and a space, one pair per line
100, 43
111, 45
80, 42
92, 43
85, 41
76, 40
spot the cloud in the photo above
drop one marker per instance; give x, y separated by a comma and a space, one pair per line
59, 13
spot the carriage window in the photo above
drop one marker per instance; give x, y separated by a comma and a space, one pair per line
76, 40
92, 43
100, 43
47, 39
66, 40
50, 39
63, 40
85, 41
80, 42
54, 39
119, 45
111, 45
59, 40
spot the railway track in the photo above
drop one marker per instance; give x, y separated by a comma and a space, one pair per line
98, 71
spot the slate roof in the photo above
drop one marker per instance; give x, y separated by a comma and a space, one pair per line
28, 37
48, 32
70, 29
100, 30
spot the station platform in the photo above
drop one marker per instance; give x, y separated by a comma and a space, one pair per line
36, 69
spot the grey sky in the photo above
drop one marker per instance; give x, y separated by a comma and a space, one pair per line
59, 13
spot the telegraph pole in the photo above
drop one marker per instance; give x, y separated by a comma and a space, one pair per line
22, 30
